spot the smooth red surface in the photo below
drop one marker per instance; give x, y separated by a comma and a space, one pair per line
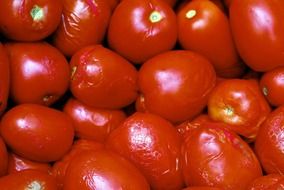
267, 182
3, 158
4, 79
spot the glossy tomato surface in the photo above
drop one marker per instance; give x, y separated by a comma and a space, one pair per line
39, 73
257, 28
3, 158
4, 79
153, 145
139, 30
103, 170
176, 84
36, 132
101, 78
83, 22
201, 188
266, 182
29, 20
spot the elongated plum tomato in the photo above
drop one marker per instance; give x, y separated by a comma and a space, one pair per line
4, 79
29, 20
257, 27
139, 29
267, 182
101, 78
84, 22
3, 158
37, 132
212, 38
153, 145
103, 170
212, 154
39, 73
176, 84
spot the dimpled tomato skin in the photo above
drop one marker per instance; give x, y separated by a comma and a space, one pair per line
37, 132
4, 79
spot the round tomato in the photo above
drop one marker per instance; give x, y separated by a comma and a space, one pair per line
101, 78
103, 170
266, 182
84, 22
176, 84
29, 20
39, 73
4, 79
153, 145
257, 27
3, 158
139, 29
201, 188
37, 132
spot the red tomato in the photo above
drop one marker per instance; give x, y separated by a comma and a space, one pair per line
39, 73
113, 3
3, 158
4, 79
153, 145
269, 144
176, 84
202, 188
84, 22
37, 132
28, 180
257, 27
29, 20
204, 28
239, 103
266, 182
215, 156
102, 78
17, 163
139, 29
103, 170
272, 86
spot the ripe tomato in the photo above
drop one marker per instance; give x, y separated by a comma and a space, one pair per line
266, 182
153, 145
176, 84
84, 22
103, 170
39, 73
139, 29
3, 158
269, 144
37, 132
204, 28
29, 20
257, 27
201, 188
28, 180
239, 103
102, 78
4, 79
215, 156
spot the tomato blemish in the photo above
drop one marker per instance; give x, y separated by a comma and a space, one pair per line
73, 71
37, 13
265, 91
155, 16
229, 110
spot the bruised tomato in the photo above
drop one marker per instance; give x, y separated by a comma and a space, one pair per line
29, 20
267, 182
153, 145
37, 132
4, 79
3, 158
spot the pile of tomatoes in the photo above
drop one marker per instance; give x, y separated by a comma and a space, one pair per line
141, 94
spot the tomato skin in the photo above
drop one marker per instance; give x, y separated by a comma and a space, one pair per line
48, 128
3, 158
269, 142
239, 103
201, 188
28, 179
181, 78
103, 170
265, 182
213, 38
39, 73
212, 154
101, 78
138, 30
4, 79
153, 145
83, 23
257, 28
29, 20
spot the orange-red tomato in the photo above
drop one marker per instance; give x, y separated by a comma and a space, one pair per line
201, 188
4, 79
176, 84
153, 145
103, 170
139, 29
204, 28
101, 78
3, 158
257, 27
37, 132
269, 144
29, 20
239, 103
39, 73
267, 182
215, 156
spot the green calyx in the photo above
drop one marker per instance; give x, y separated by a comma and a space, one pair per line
37, 13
